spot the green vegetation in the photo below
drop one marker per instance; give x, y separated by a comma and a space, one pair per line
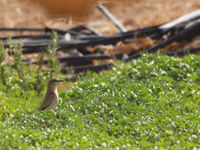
151, 103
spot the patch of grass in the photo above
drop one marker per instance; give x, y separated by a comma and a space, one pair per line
151, 103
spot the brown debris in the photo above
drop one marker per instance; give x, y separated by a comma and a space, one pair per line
131, 13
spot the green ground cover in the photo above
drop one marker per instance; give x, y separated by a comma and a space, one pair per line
151, 103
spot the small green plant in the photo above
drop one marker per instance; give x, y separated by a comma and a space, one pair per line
40, 75
20, 66
3, 66
17, 73
43, 74
149, 103
53, 66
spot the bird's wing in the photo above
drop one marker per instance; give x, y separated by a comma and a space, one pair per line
47, 101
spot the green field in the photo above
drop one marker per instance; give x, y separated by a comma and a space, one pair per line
149, 103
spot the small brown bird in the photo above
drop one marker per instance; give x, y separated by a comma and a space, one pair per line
51, 98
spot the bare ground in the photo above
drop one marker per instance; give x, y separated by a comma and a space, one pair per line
131, 13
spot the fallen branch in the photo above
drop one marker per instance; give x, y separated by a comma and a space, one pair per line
111, 18
41, 45
183, 52
95, 68
195, 28
80, 60
183, 19
43, 36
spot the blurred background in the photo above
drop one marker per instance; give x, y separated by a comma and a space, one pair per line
66, 13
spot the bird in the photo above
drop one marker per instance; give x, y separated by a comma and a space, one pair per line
51, 98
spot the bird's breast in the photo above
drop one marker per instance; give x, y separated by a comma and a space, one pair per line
55, 100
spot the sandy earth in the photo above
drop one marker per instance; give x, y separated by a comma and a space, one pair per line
131, 13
